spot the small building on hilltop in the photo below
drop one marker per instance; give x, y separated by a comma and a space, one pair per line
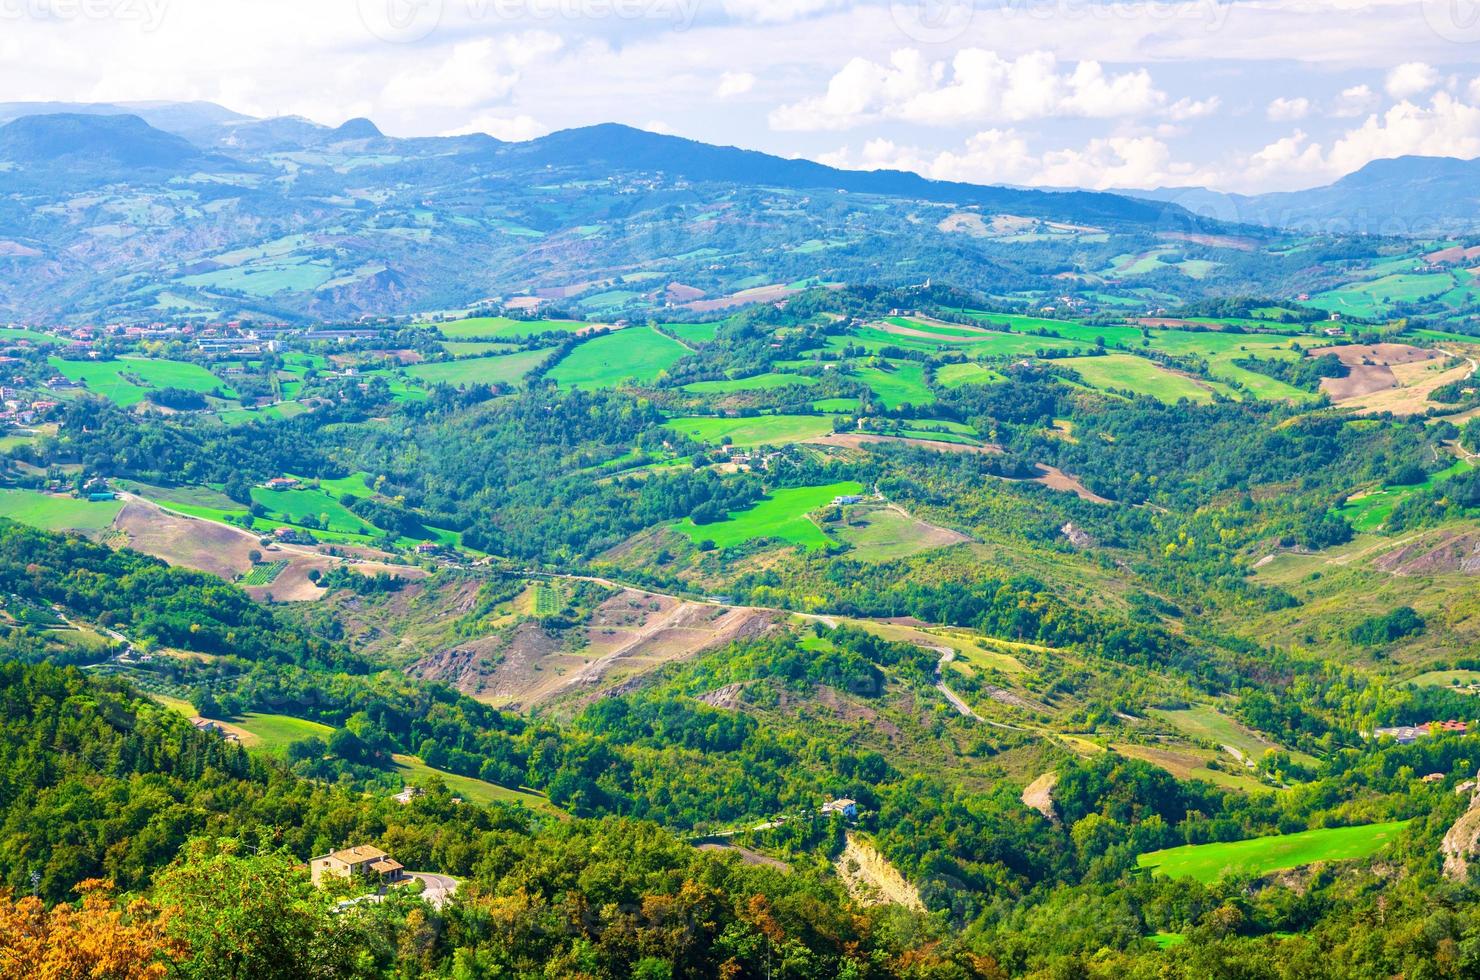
362, 862
848, 808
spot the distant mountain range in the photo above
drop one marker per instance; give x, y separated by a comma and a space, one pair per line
167, 210
1408, 195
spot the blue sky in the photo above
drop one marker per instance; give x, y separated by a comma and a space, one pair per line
1246, 96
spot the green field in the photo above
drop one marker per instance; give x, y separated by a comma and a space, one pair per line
498, 369
693, 333
756, 382
637, 355
1371, 511
503, 328
114, 380
273, 733
281, 410
759, 430
477, 348
9, 335
1127, 372
781, 515
1262, 855
1206, 722
900, 383
546, 599
356, 485
880, 533
1372, 299
1447, 678
263, 573
970, 373
480, 791
293, 506
57, 513
980, 344
268, 732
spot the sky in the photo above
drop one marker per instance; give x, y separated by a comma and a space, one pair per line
1237, 95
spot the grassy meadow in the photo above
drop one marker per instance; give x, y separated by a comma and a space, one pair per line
1262, 855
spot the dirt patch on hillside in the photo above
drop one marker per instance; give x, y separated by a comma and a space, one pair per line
1453, 256
678, 293
224, 551
747, 856
1361, 379
1449, 551
1038, 795
871, 880
635, 632
1056, 479
723, 697
1370, 367
760, 294
1212, 241
862, 440
203, 545
627, 636
903, 331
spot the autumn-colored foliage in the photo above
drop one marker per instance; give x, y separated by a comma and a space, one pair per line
97, 939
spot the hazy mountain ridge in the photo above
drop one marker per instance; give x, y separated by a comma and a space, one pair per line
212, 213
1408, 195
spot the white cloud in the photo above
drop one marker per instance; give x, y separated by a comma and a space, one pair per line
1410, 79
1003, 156
473, 73
1184, 110
1288, 110
733, 83
1355, 101
1447, 127
977, 85
511, 129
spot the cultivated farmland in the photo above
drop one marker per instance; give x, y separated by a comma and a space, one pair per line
759, 430
1262, 855
782, 515
635, 355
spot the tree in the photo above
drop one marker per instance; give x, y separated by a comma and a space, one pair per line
249, 916
98, 940
205, 703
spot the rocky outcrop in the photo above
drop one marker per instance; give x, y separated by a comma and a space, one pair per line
1461, 846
